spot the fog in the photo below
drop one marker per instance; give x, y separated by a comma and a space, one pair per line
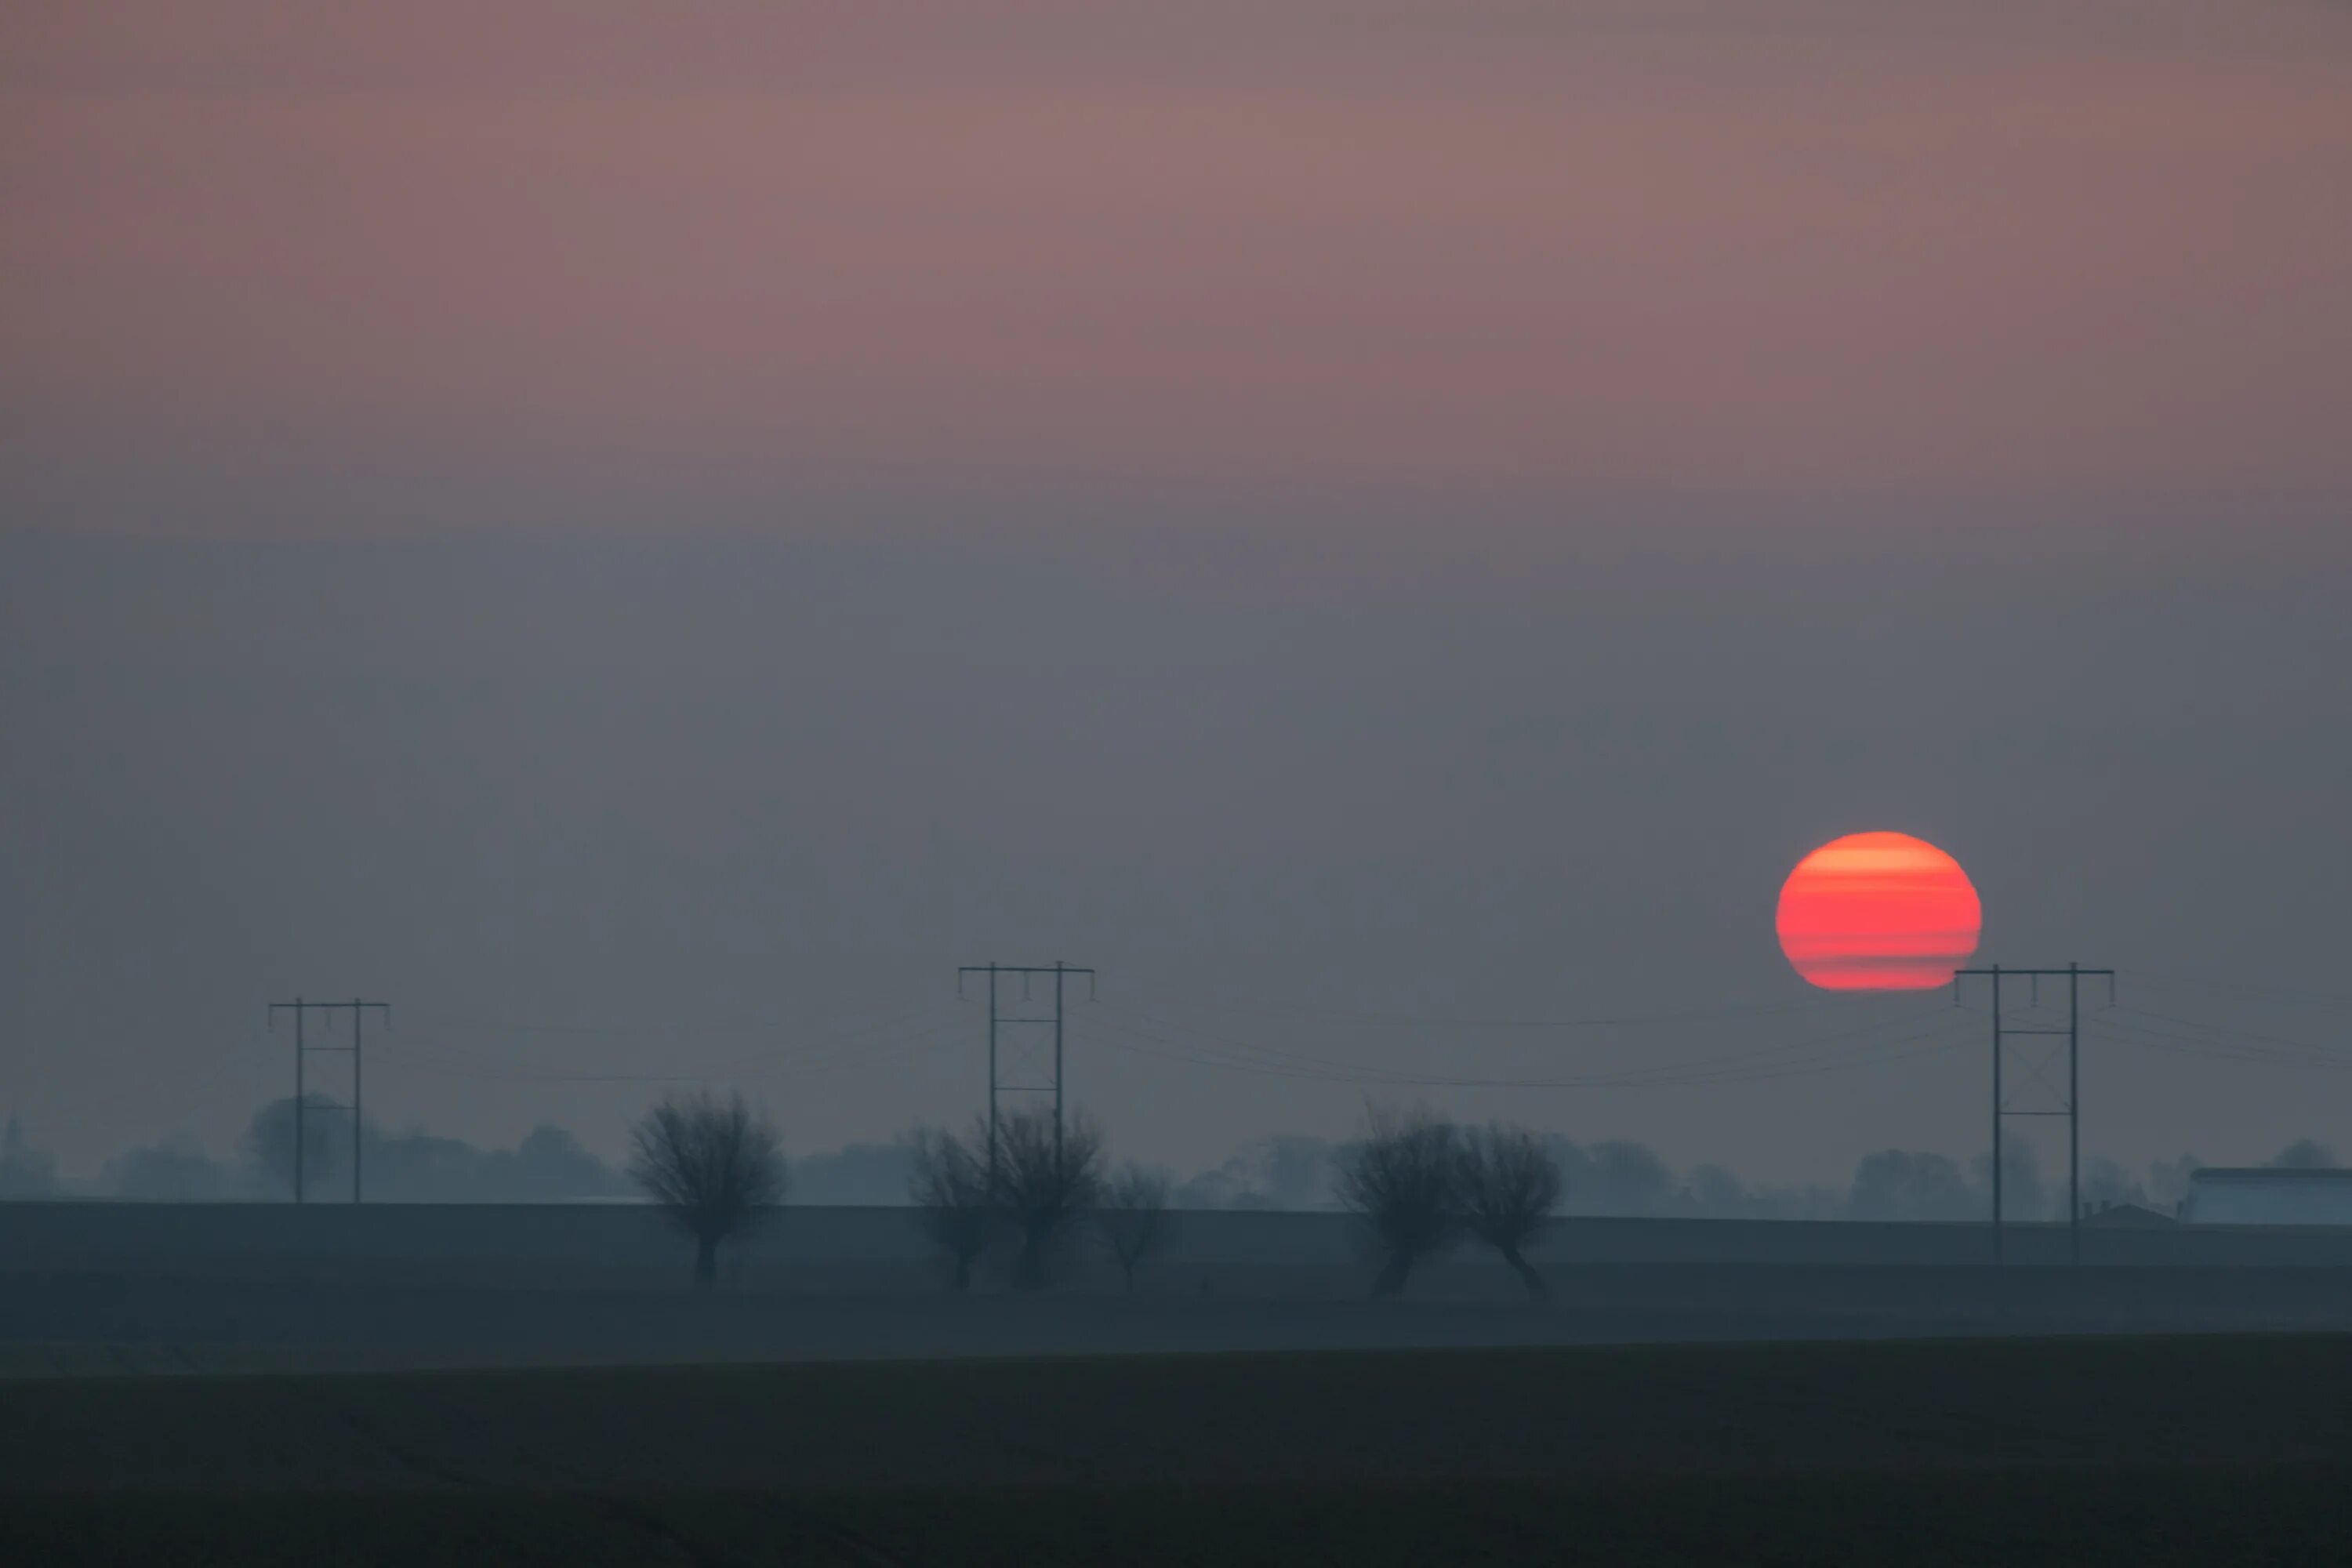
1503, 834
1610, 1178
1387, 544
568, 573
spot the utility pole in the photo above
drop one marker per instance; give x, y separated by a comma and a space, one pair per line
998, 1018
302, 1009
991, 1068
2071, 1105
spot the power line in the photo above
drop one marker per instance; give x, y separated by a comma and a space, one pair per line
1356, 1068
2247, 990
2233, 1031
1423, 1021
302, 1049
2217, 1050
514, 1026
1757, 1073
997, 1019
804, 1046
1750, 1067
2070, 1107
826, 1047
739, 1026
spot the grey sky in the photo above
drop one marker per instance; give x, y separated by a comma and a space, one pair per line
773, 793
646, 536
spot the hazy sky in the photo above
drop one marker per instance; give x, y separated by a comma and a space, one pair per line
586, 519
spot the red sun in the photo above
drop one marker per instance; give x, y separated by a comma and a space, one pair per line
1878, 911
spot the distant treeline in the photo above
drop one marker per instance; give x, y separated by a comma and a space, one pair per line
551, 1165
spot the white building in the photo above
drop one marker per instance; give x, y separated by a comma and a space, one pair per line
2268, 1195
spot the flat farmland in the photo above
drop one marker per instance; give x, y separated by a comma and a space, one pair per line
67, 1322
2095, 1449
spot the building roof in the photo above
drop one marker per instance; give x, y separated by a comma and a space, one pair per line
2129, 1216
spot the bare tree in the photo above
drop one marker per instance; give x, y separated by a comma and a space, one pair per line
270, 1141
712, 1166
1402, 1181
952, 1203
24, 1171
1508, 1185
1042, 1176
1133, 1214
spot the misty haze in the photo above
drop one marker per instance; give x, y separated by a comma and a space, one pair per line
1074, 781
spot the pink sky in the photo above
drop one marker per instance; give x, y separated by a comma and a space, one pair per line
2082, 249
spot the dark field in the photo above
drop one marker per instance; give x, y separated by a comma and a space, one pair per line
67, 1322
2234, 1448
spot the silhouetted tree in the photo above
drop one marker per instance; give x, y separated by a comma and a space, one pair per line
2022, 1195
2167, 1180
409, 1165
1622, 1177
325, 1141
24, 1171
1404, 1180
168, 1171
712, 1166
949, 1185
548, 1166
1897, 1183
1711, 1189
2106, 1184
1508, 1186
1285, 1172
1134, 1217
1042, 1177
855, 1173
